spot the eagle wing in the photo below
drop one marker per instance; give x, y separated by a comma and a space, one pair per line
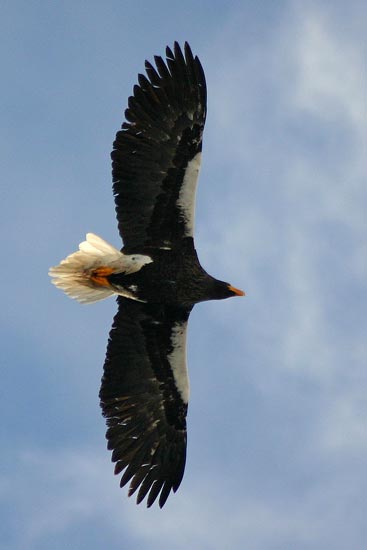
156, 155
144, 396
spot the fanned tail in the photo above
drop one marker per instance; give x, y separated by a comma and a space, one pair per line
83, 274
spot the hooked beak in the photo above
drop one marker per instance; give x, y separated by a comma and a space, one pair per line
236, 291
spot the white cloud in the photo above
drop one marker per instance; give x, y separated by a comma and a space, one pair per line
343, 430
302, 225
331, 76
65, 490
279, 231
285, 160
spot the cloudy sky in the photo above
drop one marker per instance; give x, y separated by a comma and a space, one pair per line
277, 452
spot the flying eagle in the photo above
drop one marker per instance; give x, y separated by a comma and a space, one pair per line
157, 275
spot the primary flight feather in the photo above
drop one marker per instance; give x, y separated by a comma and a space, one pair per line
157, 275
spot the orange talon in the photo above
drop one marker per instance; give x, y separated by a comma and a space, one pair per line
99, 276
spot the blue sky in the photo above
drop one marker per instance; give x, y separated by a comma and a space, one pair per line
277, 451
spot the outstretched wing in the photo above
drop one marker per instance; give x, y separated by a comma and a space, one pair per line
144, 397
156, 155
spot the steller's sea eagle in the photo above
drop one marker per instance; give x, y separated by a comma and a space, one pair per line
157, 275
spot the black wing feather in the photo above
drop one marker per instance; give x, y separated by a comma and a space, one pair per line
163, 132
146, 416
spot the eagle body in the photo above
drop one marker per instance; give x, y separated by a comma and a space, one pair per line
173, 277
156, 276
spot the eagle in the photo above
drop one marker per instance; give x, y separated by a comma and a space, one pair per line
156, 276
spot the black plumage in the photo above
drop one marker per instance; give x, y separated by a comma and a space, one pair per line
157, 275
145, 413
163, 132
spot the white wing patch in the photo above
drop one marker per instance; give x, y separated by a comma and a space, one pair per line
187, 195
177, 360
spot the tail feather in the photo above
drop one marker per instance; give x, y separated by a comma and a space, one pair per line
98, 247
80, 291
82, 275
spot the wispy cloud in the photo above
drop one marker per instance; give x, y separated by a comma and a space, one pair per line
66, 490
278, 416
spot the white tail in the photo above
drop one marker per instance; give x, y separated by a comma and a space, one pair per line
83, 274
